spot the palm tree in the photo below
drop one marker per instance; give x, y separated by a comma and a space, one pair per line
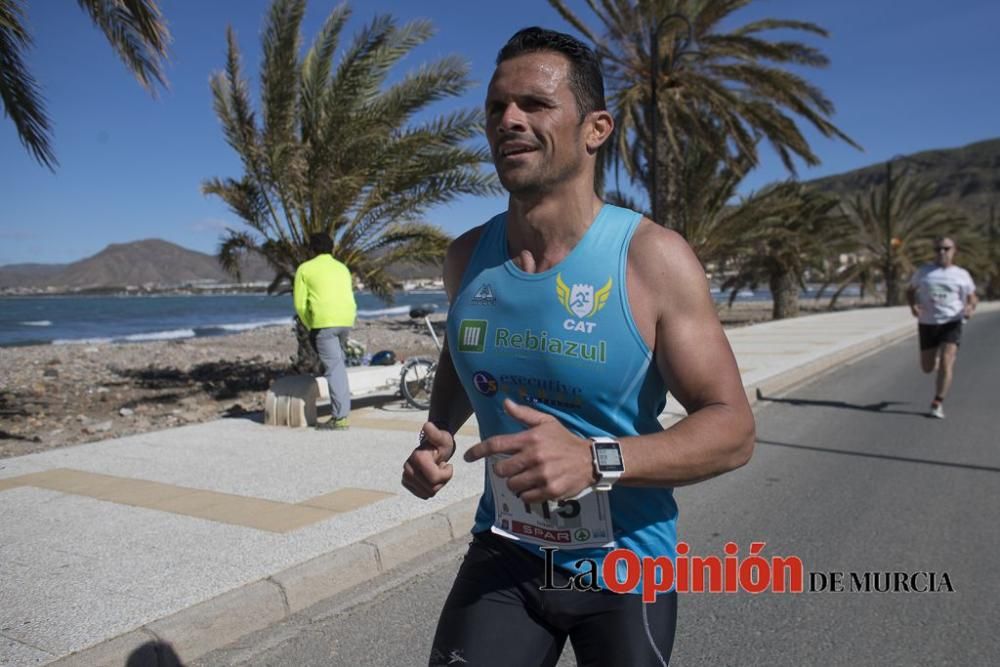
990, 271
894, 233
134, 28
794, 229
715, 225
726, 95
337, 152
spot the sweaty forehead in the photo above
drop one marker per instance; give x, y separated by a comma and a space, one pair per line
542, 73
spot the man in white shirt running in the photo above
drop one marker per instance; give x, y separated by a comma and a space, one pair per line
941, 296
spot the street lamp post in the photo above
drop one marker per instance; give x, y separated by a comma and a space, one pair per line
654, 54
890, 264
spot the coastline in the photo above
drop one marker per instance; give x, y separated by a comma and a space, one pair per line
59, 395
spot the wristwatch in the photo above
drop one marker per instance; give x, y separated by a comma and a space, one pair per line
608, 462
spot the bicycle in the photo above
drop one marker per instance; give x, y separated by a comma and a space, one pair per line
416, 379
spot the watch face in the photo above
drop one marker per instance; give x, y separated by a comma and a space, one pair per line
609, 457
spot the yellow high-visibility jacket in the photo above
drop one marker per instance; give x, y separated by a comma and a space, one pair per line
324, 293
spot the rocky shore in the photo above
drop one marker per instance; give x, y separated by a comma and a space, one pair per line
57, 395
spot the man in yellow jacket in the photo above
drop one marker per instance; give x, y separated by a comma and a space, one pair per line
324, 301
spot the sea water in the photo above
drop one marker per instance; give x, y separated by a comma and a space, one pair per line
35, 320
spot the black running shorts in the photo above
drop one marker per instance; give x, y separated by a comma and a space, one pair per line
934, 335
496, 616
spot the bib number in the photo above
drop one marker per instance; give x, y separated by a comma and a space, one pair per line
567, 524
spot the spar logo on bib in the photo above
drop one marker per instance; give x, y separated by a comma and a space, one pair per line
583, 302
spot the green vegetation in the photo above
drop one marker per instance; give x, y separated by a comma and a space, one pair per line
892, 229
335, 150
134, 29
990, 272
720, 92
788, 231
692, 101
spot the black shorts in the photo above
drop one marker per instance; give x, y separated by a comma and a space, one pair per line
496, 616
934, 335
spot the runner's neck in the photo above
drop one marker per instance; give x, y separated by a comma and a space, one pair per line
541, 234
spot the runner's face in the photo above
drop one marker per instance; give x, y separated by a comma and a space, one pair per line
944, 252
532, 123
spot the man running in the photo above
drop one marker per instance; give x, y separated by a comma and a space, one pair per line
941, 296
570, 319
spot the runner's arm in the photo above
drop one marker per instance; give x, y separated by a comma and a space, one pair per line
971, 300
695, 360
450, 406
911, 293
427, 470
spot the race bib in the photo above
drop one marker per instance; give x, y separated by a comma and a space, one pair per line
584, 521
940, 294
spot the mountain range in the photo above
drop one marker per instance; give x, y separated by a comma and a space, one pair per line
151, 262
967, 178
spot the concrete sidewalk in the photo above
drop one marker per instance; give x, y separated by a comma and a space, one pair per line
198, 535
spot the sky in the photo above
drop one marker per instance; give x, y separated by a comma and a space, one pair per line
904, 77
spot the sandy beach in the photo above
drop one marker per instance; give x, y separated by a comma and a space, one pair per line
58, 395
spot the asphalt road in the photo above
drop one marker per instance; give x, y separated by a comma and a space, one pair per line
849, 475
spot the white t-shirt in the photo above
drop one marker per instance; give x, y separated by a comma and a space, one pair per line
941, 292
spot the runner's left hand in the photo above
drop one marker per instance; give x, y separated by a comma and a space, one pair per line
546, 461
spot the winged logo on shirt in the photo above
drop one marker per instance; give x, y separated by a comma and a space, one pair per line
580, 300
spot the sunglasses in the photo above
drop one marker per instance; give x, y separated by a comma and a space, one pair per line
943, 248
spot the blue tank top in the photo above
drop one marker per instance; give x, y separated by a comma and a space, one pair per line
564, 342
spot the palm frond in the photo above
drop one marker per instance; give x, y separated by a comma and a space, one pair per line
19, 92
339, 152
728, 90
138, 34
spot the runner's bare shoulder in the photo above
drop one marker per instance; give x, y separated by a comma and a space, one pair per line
457, 258
665, 265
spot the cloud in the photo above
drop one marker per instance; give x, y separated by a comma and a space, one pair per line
210, 225
19, 234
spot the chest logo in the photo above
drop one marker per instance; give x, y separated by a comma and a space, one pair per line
484, 383
484, 296
581, 301
472, 335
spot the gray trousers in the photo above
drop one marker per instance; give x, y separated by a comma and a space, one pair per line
331, 353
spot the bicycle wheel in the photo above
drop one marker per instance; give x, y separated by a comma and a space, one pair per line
416, 380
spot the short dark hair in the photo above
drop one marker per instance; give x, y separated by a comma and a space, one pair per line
320, 243
585, 77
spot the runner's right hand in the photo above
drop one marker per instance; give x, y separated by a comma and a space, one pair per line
427, 470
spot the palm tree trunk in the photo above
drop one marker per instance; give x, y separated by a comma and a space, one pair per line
675, 202
306, 358
667, 191
785, 293
893, 297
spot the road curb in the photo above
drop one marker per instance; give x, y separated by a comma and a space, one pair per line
224, 619
220, 621
809, 371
